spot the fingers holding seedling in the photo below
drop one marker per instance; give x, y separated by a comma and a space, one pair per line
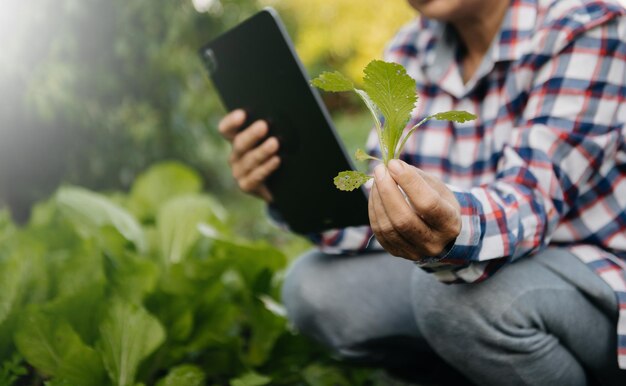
408, 215
412, 214
397, 228
430, 199
379, 222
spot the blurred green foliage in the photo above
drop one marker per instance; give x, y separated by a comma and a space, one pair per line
95, 91
159, 285
147, 288
343, 35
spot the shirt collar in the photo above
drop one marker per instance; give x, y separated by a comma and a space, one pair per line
515, 32
509, 44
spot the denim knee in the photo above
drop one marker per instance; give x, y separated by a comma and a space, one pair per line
300, 296
349, 303
501, 330
460, 316
310, 298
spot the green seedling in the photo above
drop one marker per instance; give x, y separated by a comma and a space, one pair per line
388, 92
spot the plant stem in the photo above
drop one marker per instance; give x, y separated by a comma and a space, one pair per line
408, 134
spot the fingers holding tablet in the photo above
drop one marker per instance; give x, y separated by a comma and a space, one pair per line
254, 181
231, 123
253, 157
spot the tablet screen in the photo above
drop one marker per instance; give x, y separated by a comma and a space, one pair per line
254, 67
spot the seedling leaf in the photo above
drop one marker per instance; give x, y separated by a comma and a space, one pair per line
371, 106
390, 95
350, 179
455, 116
393, 91
360, 155
333, 82
375, 111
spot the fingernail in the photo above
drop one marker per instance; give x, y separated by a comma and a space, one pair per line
261, 126
379, 172
239, 114
272, 143
395, 166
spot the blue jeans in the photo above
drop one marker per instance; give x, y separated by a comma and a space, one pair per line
544, 320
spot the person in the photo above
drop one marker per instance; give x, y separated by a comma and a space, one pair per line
523, 210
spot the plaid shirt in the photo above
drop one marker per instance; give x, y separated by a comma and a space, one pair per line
545, 163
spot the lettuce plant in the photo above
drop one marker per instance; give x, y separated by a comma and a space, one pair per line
388, 92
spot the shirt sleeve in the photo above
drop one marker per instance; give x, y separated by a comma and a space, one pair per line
568, 132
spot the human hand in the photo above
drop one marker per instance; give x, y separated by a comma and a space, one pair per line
251, 162
421, 227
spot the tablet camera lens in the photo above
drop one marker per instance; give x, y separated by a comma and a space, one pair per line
210, 62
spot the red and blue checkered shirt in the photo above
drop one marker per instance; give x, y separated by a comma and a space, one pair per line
545, 163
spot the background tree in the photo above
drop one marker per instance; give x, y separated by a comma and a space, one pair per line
94, 91
343, 34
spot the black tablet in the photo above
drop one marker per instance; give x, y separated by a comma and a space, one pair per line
255, 67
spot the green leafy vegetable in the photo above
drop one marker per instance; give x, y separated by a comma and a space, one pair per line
320, 375
391, 93
54, 348
92, 211
11, 271
178, 221
185, 375
251, 379
11, 370
82, 304
128, 335
160, 183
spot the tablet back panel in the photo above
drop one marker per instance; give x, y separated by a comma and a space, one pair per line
254, 67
